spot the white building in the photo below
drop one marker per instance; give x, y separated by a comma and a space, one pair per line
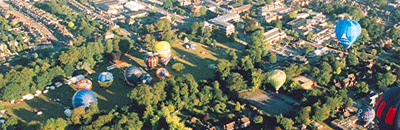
133, 6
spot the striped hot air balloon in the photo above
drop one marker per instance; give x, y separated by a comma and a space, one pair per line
162, 73
83, 98
151, 61
365, 114
387, 113
163, 49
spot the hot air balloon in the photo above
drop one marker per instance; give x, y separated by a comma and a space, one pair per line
276, 78
387, 116
347, 32
163, 49
365, 114
162, 73
146, 78
84, 84
132, 75
83, 98
151, 61
105, 79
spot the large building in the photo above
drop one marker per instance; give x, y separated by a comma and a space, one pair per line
133, 6
109, 6
296, 23
274, 34
239, 8
271, 7
223, 22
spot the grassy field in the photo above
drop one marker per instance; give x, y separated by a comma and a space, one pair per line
195, 62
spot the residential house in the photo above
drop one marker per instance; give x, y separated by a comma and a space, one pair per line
302, 3
108, 35
347, 124
229, 126
244, 122
273, 35
271, 17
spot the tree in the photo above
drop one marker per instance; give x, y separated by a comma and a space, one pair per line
297, 7
293, 15
203, 11
142, 94
272, 58
268, 1
235, 83
321, 113
386, 79
352, 59
382, 3
246, 63
223, 68
178, 67
250, 24
304, 115
256, 79
278, 24
314, 72
286, 123
237, 106
309, 36
258, 119
324, 78
362, 88
167, 4
163, 24
308, 50
55, 124
240, 1
248, 1
10, 124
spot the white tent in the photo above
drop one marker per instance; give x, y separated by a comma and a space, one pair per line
39, 113
68, 112
45, 91
28, 97
52, 88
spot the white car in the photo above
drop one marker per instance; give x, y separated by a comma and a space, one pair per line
58, 84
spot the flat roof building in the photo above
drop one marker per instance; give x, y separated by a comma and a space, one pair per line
296, 23
223, 23
274, 34
133, 6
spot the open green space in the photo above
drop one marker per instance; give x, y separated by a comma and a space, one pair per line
196, 62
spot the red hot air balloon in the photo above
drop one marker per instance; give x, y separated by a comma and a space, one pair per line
84, 84
387, 114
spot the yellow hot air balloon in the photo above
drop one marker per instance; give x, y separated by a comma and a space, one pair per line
105, 79
163, 49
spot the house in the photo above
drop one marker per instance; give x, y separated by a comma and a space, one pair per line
296, 23
137, 14
184, 2
268, 18
305, 82
349, 123
244, 122
193, 119
302, 3
108, 35
264, 10
229, 126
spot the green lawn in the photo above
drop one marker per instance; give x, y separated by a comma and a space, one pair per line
195, 63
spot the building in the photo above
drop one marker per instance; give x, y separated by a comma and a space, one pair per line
271, 17
348, 123
108, 35
273, 35
305, 82
317, 125
239, 8
133, 6
229, 126
302, 15
244, 122
270, 8
223, 23
109, 6
298, 2
344, 16
184, 2
137, 14
296, 23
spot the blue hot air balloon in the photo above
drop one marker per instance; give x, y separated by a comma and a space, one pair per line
146, 78
365, 114
347, 32
83, 98
132, 75
105, 79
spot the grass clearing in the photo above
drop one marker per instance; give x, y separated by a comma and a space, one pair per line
195, 63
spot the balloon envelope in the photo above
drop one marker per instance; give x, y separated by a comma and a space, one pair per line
84, 84
365, 114
83, 98
347, 32
151, 61
105, 79
132, 74
162, 73
146, 78
387, 116
276, 78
